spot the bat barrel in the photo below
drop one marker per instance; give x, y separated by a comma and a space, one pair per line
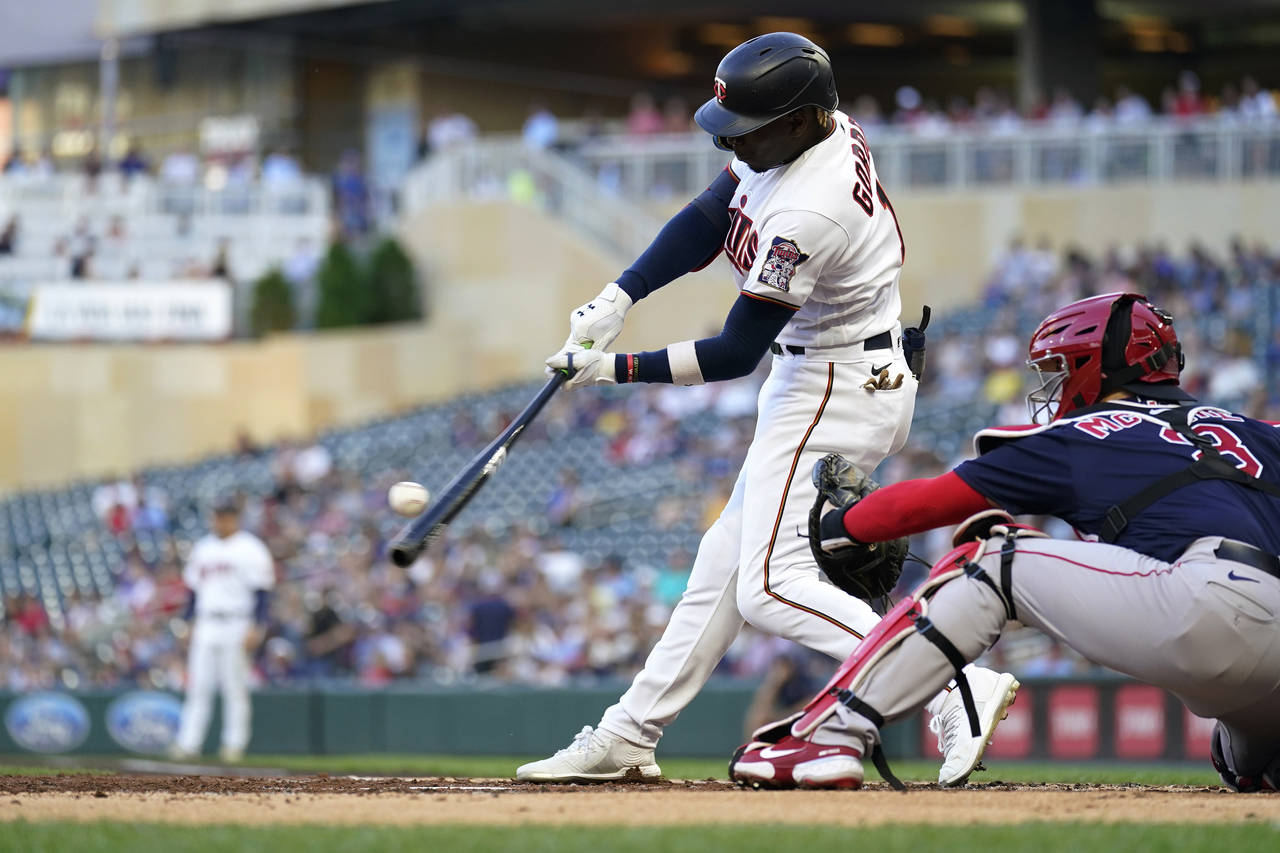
420, 532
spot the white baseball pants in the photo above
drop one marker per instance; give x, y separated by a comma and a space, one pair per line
216, 660
754, 563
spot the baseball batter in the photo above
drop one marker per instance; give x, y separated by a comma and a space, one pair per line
816, 251
229, 572
1177, 582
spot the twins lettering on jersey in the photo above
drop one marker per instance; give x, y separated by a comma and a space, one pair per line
208, 570
742, 242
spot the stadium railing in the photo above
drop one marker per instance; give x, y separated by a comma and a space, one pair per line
956, 158
504, 168
579, 179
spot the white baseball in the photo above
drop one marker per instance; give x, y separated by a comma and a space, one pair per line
408, 498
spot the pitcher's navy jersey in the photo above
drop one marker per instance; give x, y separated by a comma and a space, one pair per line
1079, 467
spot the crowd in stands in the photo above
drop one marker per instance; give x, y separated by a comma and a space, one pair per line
994, 110
504, 597
182, 216
990, 109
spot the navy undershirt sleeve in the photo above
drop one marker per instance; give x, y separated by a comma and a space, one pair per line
751, 326
261, 606
690, 240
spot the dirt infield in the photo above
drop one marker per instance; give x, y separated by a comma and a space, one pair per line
348, 800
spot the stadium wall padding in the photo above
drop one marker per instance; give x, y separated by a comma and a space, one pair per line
1054, 719
405, 719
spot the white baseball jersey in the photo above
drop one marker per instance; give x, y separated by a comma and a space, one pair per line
224, 573
820, 235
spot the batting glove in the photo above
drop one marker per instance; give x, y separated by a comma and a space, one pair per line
599, 321
584, 366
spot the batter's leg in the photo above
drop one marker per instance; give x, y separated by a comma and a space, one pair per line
234, 677
701, 629
809, 409
197, 706
703, 625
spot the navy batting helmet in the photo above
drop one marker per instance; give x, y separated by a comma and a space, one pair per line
764, 79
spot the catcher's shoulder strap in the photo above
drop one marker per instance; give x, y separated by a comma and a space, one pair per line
1210, 466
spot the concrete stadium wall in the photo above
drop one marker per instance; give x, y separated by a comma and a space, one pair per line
953, 237
501, 280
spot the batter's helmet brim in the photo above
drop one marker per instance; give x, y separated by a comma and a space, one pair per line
718, 121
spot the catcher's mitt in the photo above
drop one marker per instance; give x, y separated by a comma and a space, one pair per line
866, 571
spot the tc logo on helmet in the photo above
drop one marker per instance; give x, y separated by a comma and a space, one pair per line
719, 88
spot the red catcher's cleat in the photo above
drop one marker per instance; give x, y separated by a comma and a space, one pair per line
795, 763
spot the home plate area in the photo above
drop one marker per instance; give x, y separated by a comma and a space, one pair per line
369, 800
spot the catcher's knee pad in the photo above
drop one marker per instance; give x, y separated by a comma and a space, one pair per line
1219, 746
908, 617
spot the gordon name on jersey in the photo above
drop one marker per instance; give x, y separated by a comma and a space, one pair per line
819, 234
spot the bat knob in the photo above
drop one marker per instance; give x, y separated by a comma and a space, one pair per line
403, 555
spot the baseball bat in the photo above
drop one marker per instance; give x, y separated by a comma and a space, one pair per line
418, 534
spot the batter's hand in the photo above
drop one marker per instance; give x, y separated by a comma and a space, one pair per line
584, 366
252, 639
599, 321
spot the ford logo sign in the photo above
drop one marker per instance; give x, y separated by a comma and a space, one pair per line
47, 722
144, 721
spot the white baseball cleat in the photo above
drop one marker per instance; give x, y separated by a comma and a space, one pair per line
993, 693
594, 756
230, 755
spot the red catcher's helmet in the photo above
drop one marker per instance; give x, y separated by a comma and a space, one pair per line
1090, 348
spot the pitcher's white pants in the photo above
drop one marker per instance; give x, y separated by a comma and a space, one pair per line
754, 563
216, 660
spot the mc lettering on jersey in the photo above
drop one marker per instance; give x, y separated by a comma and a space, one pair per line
742, 242
1100, 426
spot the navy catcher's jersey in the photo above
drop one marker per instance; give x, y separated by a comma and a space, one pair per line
1079, 467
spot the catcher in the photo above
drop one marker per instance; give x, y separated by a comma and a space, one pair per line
1177, 584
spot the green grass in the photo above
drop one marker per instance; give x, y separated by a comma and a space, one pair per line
1035, 838
19, 770
677, 768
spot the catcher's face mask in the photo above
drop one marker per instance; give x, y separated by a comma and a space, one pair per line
1043, 402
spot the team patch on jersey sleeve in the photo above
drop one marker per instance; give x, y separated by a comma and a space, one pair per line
780, 265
